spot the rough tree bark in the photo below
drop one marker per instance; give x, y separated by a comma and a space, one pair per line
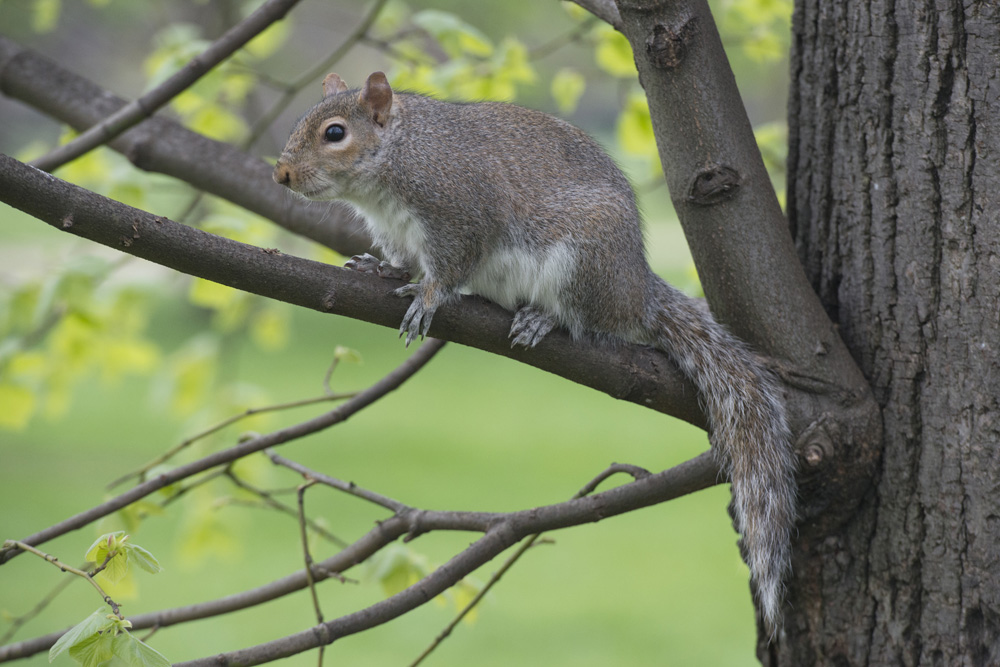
893, 199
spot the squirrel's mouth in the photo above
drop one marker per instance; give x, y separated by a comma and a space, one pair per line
319, 194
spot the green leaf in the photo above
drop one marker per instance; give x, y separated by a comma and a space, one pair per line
23, 308
144, 559
456, 37
136, 653
116, 544
567, 87
761, 27
614, 54
45, 15
94, 650
575, 11
341, 353
103, 545
117, 567
397, 567
266, 43
635, 128
18, 405
391, 19
89, 626
269, 327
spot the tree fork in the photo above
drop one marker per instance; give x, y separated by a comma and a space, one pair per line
745, 256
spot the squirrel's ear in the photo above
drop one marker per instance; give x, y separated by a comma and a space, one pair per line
377, 96
333, 84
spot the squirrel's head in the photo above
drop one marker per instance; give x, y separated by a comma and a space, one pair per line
329, 144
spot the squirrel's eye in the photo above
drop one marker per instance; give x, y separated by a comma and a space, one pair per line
335, 132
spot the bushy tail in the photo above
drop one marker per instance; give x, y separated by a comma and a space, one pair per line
749, 435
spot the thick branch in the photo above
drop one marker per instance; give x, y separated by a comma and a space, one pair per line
604, 10
163, 146
631, 373
722, 193
744, 252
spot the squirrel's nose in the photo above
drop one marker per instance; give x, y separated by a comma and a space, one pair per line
282, 174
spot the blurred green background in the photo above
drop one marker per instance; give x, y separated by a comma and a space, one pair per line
153, 357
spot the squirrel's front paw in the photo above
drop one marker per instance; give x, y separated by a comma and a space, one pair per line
418, 317
363, 263
370, 264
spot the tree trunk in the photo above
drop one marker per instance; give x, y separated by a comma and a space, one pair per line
893, 199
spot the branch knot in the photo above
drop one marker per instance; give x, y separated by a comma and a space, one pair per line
667, 45
714, 184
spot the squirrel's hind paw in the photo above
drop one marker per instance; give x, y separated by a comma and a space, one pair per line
530, 326
418, 317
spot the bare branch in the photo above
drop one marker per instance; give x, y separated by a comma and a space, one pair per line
307, 557
741, 243
722, 193
145, 106
635, 471
347, 487
364, 398
163, 146
502, 532
694, 475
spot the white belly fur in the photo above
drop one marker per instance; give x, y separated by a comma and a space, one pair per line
514, 277
397, 231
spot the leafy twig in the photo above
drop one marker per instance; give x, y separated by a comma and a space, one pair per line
15, 544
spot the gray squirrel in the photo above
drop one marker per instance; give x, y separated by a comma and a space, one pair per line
528, 211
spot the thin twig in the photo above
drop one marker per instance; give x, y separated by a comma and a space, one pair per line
347, 487
144, 107
267, 498
70, 569
362, 400
228, 421
18, 621
292, 89
307, 559
558, 42
636, 472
